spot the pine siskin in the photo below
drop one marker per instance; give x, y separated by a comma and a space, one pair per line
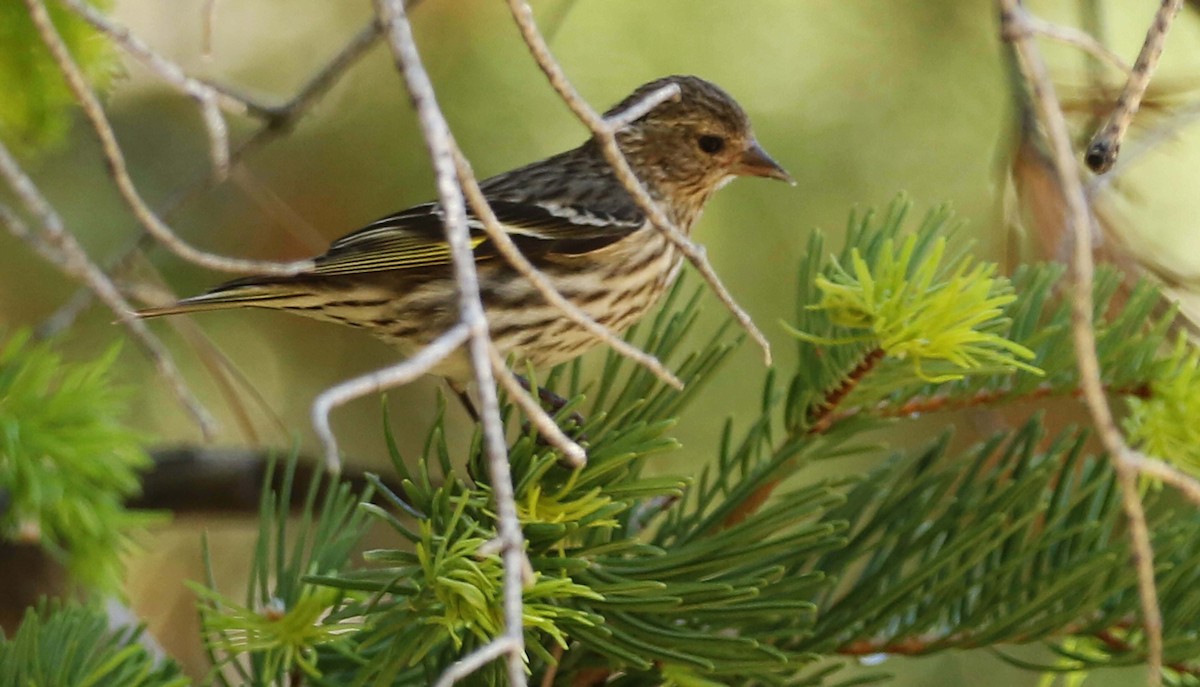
568, 214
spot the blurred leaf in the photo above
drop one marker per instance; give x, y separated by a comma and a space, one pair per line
67, 459
73, 646
36, 110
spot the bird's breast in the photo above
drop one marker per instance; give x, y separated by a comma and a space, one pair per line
615, 286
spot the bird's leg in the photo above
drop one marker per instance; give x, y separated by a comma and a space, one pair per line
460, 390
551, 400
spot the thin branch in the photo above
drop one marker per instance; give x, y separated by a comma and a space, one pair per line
1153, 467
1106, 144
465, 666
1148, 142
436, 132
552, 669
1116, 644
641, 108
232, 384
209, 19
1079, 39
1078, 215
122, 619
188, 479
517, 259
820, 418
379, 380
284, 116
60, 247
279, 119
941, 403
116, 162
210, 100
545, 424
16, 226
218, 134
605, 134
918, 645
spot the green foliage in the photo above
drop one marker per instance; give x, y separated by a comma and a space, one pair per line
72, 646
1132, 339
665, 580
67, 460
592, 582
37, 106
285, 619
1164, 422
915, 307
760, 571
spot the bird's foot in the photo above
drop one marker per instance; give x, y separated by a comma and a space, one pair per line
552, 402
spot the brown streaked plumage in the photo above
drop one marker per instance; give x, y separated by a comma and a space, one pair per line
568, 214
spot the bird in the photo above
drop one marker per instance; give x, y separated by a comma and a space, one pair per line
568, 214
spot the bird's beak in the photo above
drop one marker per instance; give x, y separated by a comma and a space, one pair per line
755, 162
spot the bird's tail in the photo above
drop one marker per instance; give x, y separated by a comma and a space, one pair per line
235, 294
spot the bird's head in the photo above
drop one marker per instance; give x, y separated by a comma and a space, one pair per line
691, 145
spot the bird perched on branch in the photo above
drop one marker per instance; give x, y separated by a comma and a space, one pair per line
569, 216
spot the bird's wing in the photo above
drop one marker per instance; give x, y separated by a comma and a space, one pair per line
415, 238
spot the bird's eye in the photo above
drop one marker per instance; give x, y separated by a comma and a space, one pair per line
711, 144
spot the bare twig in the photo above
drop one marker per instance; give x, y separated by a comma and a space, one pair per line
1079, 217
206, 34
279, 119
283, 116
923, 645
1079, 39
380, 380
450, 194
513, 255
605, 134
545, 424
465, 666
116, 163
122, 619
210, 100
821, 417
218, 134
552, 669
16, 226
60, 247
1153, 467
1147, 142
1106, 144
231, 382
641, 108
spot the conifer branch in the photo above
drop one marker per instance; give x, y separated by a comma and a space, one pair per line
946, 402
821, 417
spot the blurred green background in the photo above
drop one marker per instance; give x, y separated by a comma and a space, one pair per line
859, 99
